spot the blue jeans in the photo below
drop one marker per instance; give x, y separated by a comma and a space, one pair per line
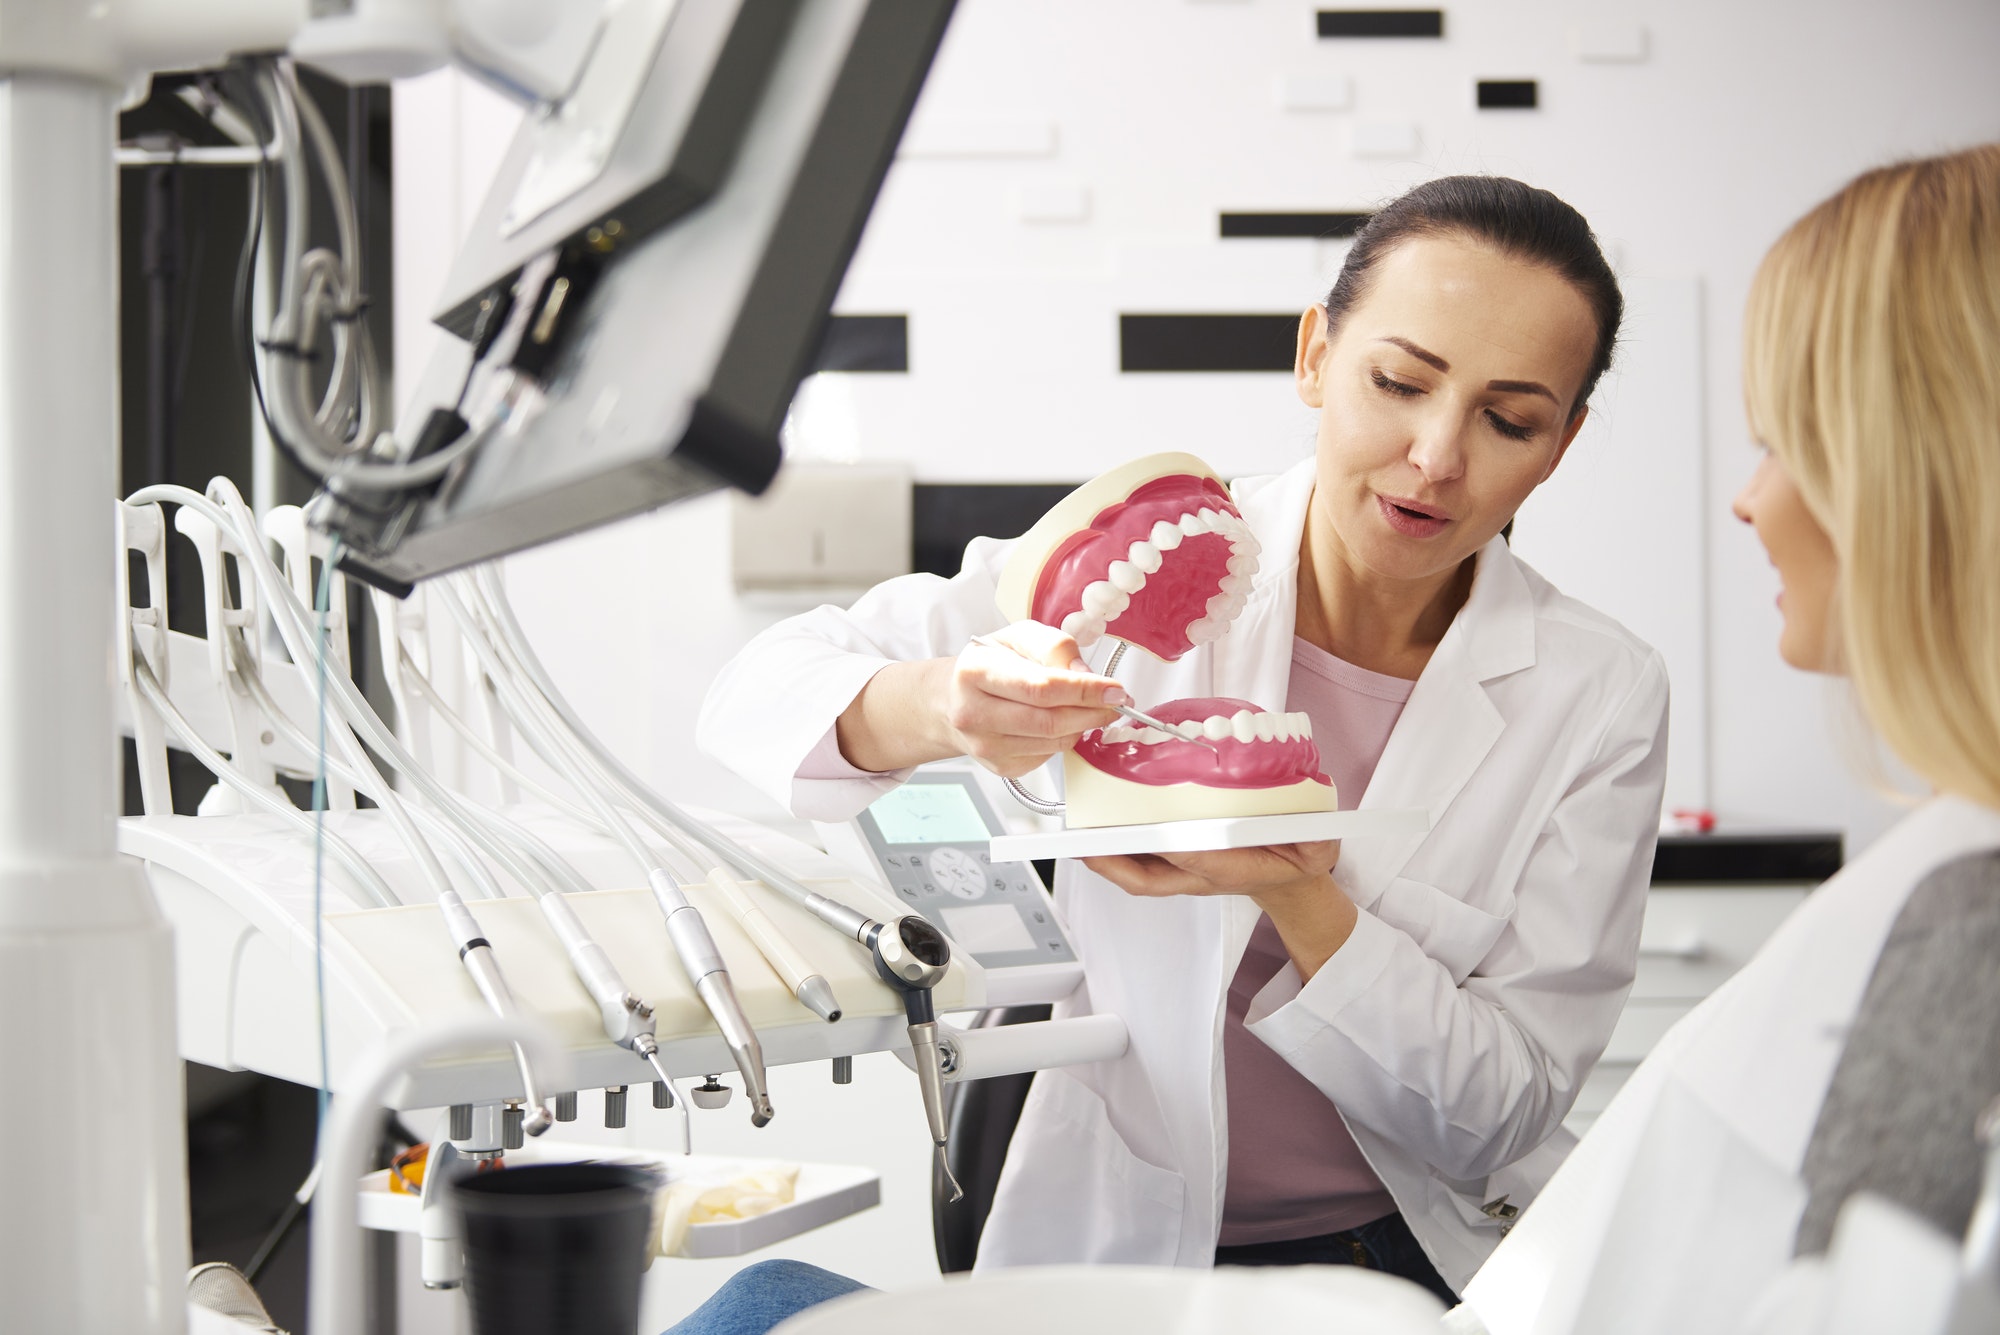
758, 1297
1384, 1244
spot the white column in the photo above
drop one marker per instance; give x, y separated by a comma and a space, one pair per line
93, 1236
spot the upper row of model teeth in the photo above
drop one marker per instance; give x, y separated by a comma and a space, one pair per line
1244, 726
1106, 599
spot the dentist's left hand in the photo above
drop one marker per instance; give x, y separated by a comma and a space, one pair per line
1292, 883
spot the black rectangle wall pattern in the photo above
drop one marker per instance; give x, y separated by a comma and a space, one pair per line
947, 515
1498, 94
1207, 342
1381, 23
865, 343
1313, 225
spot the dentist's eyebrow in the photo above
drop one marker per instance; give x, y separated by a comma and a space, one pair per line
1423, 355
1430, 358
1523, 387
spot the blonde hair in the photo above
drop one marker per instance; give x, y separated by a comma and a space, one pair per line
1872, 371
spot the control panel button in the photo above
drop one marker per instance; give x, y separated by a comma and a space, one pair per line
958, 873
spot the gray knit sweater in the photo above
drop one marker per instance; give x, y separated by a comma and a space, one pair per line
1921, 1062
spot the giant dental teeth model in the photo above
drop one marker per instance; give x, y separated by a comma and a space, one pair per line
1155, 554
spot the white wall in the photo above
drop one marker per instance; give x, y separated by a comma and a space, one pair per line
1160, 114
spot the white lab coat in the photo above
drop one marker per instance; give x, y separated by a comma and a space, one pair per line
1678, 1211
1454, 1027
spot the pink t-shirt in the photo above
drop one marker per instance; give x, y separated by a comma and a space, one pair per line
1294, 1171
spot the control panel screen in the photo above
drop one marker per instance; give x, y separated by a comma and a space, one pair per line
929, 813
988, 929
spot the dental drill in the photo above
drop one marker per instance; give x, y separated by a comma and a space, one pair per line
911, 956
703, 962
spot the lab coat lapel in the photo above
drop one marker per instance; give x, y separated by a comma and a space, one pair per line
1254, 661
1449, 724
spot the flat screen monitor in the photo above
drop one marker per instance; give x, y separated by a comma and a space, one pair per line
706, 252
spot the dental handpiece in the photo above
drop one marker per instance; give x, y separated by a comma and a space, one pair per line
911, 956
477, 955
703, 963
628, 1021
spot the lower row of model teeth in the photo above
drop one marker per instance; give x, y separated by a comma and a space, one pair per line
1106, 599
1244, 726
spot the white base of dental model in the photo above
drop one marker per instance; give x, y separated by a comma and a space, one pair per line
1096, 799
1195, 836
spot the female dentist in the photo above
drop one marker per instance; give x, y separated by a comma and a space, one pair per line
1366, 1062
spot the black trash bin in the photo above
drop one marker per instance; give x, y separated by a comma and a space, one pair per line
556, 1249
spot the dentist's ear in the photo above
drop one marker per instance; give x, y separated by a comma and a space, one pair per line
1308, 363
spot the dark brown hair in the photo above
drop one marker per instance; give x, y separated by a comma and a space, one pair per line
1514, 218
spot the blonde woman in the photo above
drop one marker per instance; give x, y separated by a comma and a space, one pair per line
1860, 1046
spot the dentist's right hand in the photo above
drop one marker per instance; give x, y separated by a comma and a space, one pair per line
1009, 704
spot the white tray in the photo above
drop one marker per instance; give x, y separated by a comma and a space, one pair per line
1194, 836
824, 1193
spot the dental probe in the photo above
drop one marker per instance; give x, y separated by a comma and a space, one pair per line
477, 955
1179, 730
806, 982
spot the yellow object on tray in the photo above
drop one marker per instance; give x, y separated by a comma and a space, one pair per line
684, 1204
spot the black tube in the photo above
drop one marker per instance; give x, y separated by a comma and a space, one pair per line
160, 248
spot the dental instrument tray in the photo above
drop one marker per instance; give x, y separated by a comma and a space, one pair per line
1194, 836
822, 1194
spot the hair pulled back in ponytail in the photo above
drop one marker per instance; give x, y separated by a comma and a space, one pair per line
1514, 218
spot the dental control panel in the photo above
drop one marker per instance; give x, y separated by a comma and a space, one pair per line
929, 842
